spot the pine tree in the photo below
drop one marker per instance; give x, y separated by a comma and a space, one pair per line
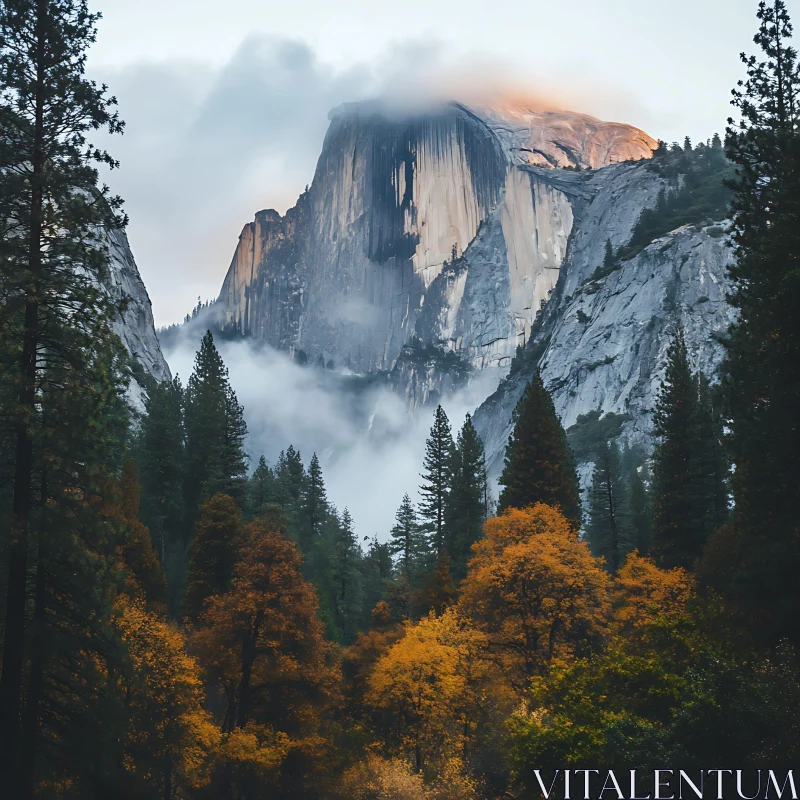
137, 547
346, 558
609, 531
376, 574
608, 258
213, 553
677, 534
215, 432
314, 506
539, 466
56, 340
261, 489
711, 471
437, 477
291, 477
161, 460
466, 503
408, 541
762, 383
641, 513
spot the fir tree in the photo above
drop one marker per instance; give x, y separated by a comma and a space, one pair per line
376, 574
160, 455
677, 535
215, 432
466, 503
314, 506
346, 557
712, 467
213, 553
261, 490
437, 477
608, 258
291, 478
762, 382
408, 541
137, 547
609, 529
539, 466
641, 512
56, 340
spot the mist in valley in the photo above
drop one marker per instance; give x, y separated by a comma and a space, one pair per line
369, 439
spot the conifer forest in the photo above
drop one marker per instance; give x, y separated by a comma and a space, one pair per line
185, 618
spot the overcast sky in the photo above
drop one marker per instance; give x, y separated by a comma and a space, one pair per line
226, 102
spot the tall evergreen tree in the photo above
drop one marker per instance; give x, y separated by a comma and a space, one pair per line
641, 512
408, 542
712, 468
56, 342
539, 466
347, 594
291, 480
466, 503
609, 530
160, 455
213, 553
608, 257
314, 506
762, 382
437, 477
677, 536
215, 432
261, 490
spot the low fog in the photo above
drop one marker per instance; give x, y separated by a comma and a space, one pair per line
369, 444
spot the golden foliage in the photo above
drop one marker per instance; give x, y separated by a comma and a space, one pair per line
644, 593
376, 778
431, 680
263, 648
535, 590
169, 729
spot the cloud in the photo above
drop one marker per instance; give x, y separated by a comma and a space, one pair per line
369, 444
206, 147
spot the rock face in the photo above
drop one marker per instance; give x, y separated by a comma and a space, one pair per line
135, 325
604, 346
431, 226
434, 244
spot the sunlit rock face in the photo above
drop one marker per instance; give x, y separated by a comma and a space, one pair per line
134, 325
363, 264
549, 138
431, 244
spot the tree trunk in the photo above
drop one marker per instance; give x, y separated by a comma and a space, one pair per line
11, 681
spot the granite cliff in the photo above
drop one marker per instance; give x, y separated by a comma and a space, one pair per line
433, 244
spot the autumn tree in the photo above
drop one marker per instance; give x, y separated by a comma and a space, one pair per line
170, 737
436, 479
138, 553
535, 589
430, 680
213, 553
539, 467
262, 645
